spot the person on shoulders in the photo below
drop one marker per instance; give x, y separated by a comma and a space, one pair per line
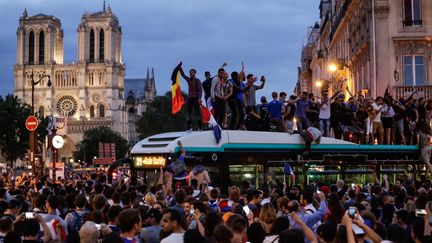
199, 172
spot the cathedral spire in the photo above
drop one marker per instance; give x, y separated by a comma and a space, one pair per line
104, 4
109, 8
148, 74
152, 73
25, 14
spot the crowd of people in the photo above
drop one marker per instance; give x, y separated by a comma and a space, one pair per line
358, 119
89, 208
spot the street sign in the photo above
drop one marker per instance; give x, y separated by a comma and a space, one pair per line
31, 123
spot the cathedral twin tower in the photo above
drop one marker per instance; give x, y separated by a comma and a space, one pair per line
89, 93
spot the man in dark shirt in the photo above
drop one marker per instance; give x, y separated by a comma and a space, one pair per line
194, 97
206, 85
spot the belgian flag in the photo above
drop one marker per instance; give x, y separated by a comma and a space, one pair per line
177, 97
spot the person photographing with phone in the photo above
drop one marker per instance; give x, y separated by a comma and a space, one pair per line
251, 88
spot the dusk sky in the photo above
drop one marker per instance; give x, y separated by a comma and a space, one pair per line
266, 35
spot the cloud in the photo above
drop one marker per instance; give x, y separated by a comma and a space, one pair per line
266, 35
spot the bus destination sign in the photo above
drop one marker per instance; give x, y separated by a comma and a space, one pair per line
145, 162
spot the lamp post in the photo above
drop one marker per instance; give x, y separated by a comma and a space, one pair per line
32, 133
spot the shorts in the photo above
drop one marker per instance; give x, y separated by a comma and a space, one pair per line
377, 126
399, 126
387, 122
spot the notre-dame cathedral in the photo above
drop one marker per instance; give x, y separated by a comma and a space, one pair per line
88, 93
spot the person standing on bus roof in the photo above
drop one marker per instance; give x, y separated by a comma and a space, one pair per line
194, 97
199, 172
178, 167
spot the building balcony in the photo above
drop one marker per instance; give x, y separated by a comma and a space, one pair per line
422, 91
79, 126
412, 23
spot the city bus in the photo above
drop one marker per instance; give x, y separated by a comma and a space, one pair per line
255, 156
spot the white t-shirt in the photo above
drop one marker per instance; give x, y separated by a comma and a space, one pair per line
324, 110
173, 238
378, 115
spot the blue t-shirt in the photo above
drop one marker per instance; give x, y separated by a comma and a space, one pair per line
275, 109
302, 106
239, 95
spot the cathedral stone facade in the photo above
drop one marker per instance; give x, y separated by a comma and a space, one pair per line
90, 92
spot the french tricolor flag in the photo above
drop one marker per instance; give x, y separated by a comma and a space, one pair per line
207, 117
288, 170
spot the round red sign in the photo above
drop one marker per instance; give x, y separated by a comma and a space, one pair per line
31, 123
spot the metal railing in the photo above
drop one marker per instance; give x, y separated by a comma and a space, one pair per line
422, 91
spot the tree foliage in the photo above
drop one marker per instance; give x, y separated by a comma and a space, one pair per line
89, 146
158, 117
14, 137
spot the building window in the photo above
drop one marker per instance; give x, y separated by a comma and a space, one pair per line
92, 45
101, 45
414, 70
412, 13
92, 111
41, 47
31, 47
101, 110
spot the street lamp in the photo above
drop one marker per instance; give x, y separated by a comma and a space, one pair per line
318, 83
332, 68
32, 133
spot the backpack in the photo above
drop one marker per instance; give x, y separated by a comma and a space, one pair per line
178, 167
74, 227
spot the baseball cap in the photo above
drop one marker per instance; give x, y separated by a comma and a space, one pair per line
154, 213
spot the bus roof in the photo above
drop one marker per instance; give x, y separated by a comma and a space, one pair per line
205, 141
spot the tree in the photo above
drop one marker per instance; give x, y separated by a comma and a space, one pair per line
14, 137
88, 148
158, 117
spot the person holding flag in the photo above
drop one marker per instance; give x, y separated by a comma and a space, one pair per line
194, 97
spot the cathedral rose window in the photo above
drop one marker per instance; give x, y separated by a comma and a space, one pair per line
67, 105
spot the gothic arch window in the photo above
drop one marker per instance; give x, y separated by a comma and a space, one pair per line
101, 110
412, 11
41, 111
92, 111
31, 47
92, 45
101, 45
41, 47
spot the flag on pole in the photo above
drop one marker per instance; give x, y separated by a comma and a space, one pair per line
177, 97
288, 170
208, 118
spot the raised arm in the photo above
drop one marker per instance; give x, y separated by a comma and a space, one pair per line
47, 233
335, 94
184, 75
263, 80
347, 221
369, 232
307, 231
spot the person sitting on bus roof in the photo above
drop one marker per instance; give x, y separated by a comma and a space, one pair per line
177, 167
311, 134
199, 172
